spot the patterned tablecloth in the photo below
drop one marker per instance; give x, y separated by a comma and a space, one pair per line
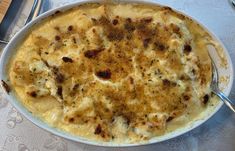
217, 134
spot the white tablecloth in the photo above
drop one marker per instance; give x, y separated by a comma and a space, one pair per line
217, 134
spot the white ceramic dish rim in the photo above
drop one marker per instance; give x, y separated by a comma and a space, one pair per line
9, 51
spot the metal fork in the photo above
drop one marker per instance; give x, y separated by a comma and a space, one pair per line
33, 14
233, 2
215, 88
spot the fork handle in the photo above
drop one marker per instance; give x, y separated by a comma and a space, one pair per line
226, 100
34, 11
33, 14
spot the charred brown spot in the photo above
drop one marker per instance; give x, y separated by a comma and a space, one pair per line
6, 86
167, 8
129, 27
193, 71
184, 77
59, 77
105, 74
104, 21
67, 59
166, 82
98, 129
146, 42
147, 20
115, 35
131, 80
94, 20
128, 20
46, 63
57, 38
57, 28
187, 48
170, 118
115, 22
103, 135
205, 99
159, 46
70, 28
92, 53
32, 94
57, 12
74, 40
71, 120
175, 29
128, 120
173, 84
59, 92
75, 87
186, 97
144, 31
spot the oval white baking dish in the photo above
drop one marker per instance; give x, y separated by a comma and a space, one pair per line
9, 51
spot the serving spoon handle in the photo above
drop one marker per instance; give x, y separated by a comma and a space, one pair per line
226, 100
233, 2
215, 88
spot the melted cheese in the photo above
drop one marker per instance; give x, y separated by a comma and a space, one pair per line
116, 72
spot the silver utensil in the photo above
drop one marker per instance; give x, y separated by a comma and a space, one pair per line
215, 89
33, 13
233, 2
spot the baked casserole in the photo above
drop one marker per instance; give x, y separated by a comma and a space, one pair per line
114, 72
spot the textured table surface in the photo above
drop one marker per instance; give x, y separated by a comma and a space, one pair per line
217, 134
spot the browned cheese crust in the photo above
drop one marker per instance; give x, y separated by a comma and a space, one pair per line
115, 72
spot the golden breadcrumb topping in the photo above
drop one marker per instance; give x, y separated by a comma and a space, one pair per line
113, 72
